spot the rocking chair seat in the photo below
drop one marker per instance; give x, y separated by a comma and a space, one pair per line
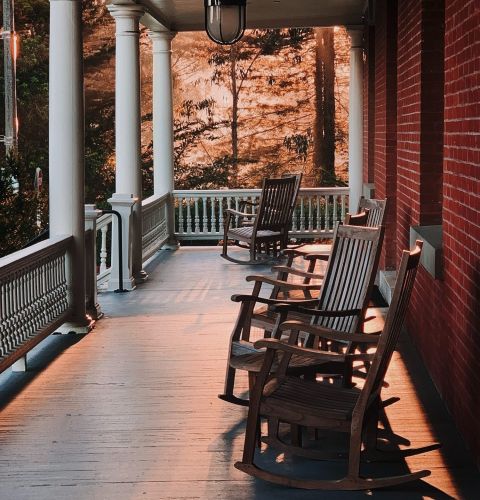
246, 357
245, 234
298, 400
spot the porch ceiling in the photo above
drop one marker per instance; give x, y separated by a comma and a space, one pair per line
188, 15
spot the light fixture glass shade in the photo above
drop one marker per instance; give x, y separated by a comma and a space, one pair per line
225, 20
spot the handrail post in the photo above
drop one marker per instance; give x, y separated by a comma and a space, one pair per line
121, 277
92, 306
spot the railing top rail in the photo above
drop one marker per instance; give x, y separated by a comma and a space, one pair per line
104, 220
247, 192
154, 200
18, 260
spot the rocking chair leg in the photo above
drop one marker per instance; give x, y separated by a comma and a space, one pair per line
229, 380
371, 431
296, 432
252, 377
354, 453
273, 426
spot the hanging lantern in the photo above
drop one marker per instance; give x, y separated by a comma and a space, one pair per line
225, 20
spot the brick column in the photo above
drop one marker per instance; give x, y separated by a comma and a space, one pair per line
385, 170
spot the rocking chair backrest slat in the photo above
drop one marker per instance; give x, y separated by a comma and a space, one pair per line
393, 326
376, 210
349, 276
275, 204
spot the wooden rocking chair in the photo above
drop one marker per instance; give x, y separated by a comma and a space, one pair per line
326, 406
341, 304
370, 213
271, 222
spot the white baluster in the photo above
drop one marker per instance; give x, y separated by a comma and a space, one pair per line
319, 214
310, 214
103, 249
344, 211
213, 221
302, 214
294, 219
220, 214
189, 216
205, 216
180, 215
237, 201
335, 209
327, 212
197, 217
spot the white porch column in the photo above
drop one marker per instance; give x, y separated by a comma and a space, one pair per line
128, 119
355, 119
66, 145
162, 112
163, 123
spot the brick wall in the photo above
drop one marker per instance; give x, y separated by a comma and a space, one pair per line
369, 106
385, 150
461, 218
444, 317
420, 82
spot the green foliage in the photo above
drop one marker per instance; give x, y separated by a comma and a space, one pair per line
23, 212
99, 141
299, 143
212, 176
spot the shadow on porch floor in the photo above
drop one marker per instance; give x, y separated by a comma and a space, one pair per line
130, 410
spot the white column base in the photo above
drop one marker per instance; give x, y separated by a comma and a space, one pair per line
77, 328
386, 284
20, 365
369, 190
123, 204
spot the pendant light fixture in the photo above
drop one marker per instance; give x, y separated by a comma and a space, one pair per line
225, 20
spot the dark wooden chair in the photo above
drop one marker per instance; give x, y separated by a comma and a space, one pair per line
326, 406
341, 304
370, 213
268, 232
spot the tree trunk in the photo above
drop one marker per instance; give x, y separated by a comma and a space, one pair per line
233, 177
318, 159
324, 130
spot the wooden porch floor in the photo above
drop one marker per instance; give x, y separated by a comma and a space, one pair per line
131, 410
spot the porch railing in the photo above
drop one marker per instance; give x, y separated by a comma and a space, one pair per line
199, 214
154, 224
34, 298
104, 234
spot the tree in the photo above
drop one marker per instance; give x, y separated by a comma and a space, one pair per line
23, 213
324, 129
253, 107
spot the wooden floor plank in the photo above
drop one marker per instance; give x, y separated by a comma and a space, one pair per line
130, 410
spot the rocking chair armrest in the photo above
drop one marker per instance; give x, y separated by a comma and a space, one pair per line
242, 203
293, 252
321, 356
317, 256
297, 272
240, 214
304, 309
271, 302
329, 333
282, 284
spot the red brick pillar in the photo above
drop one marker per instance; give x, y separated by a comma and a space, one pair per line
419, 115
385, 150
